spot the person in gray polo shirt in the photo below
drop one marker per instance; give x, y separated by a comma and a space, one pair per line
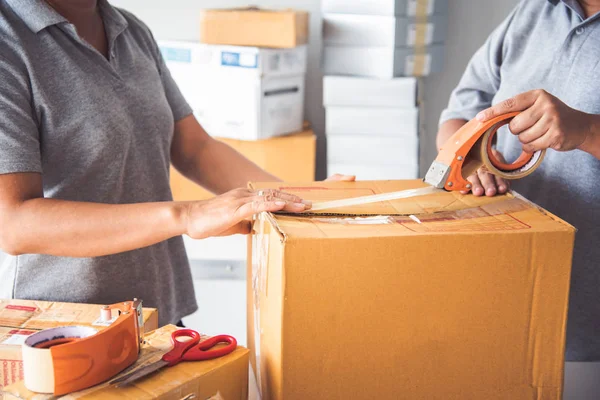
544, 60
90, 120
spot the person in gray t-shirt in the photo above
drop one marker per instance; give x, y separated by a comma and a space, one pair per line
544, 60
90, 121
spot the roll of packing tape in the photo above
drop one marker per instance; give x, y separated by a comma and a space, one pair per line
71, 358
39, 367
524, 165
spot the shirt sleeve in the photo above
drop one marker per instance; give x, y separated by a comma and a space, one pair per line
481, 78
178, 103
19, 133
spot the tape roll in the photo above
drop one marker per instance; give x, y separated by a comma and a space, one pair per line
38, 362
71, 358
523, 166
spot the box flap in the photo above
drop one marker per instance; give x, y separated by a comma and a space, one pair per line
442, 212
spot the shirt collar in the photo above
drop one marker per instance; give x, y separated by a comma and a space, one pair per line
38, 15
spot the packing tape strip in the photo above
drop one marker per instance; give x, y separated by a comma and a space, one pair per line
39, 365
419, 63
421, 10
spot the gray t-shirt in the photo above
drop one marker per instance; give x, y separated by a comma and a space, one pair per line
97, 130
546, 44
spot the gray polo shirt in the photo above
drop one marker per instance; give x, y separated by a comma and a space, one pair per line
545, 44
97, 130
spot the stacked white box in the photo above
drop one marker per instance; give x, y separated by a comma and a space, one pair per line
245, 93
384, 38
372, 127
372, 53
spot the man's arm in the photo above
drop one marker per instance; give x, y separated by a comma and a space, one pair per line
210, 163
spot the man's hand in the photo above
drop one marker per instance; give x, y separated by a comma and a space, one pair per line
483, 182
545, 122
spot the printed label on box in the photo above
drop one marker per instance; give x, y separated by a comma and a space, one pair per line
244, 60
419, 34
417, 64
419, 7
176, 55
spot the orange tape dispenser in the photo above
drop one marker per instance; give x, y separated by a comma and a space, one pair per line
67, 359
471, 148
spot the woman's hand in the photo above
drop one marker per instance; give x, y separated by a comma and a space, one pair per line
228, 213
341, 178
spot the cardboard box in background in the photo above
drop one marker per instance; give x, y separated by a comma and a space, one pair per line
382, 62
382, 31
347, 91
466, 299
291, 158
373, 150
386, 7
244, 93
380, 121
218, 379
21, 318
254, 27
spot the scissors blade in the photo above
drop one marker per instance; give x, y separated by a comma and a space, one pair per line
138, 374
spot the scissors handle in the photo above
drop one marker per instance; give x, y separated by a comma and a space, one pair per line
205, 351
175, 355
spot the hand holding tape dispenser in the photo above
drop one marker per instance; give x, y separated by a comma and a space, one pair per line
464, 152
67, 359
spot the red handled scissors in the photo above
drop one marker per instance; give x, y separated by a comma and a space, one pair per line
190, 350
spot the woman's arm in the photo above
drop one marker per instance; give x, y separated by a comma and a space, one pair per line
210, 163
30, 223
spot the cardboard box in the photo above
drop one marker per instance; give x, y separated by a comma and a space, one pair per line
21, 318
392, 122
254, 27
374, 150
375, 172
218, 379
352, 91
442, 296
244, 93
382, 62
382, 31
410, 8
291, 158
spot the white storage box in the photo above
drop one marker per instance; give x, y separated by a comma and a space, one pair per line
242, 93
371, 172
372, 150
382, 62
369, 92
391, 122
385, 7
375, 30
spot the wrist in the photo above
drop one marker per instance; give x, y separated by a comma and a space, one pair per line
591, 143
179, 217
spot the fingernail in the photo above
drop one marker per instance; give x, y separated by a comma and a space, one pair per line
280, 203
480, 116
490, 191
502, 188
300, 205
307, 202
478, 191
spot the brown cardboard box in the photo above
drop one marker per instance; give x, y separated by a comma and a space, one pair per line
21, 318
225, 378
254, 27
291, 158
442, 296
